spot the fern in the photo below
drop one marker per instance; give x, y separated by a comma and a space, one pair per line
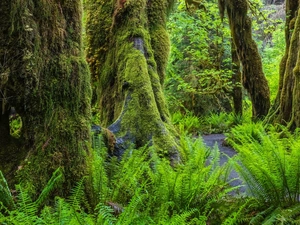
99, 176
53, 183
5, 195
77, 195
182, 219
26, 209
105, 215
270, 166
132, 212
130, 175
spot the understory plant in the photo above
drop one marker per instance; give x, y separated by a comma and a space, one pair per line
269, 164
141, 188
145, 189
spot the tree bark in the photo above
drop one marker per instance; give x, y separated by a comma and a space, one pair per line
48, 83
254, 80
283, 110
128, 52
237, 82
288, 112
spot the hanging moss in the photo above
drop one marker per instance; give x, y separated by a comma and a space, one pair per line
130, 70
237, 81
254, 80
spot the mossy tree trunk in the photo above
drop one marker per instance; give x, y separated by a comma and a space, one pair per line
286, 108
253, 80
8, 145
237, 81
128, 52
45, 77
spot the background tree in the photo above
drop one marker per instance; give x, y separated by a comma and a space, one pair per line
44, 76
128, 49
253, 80
237, 81
286, 108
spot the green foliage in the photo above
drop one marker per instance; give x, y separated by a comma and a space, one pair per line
198, 74
5, 195
142, 188
98, 173
218, 123
15, 126
269, 164
186, 123
160, 194
25, 211
222, 122
272, 56
189, 124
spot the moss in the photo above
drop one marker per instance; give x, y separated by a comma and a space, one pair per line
51, 82
281, 109
289, 101
131, 71
287, 77
254, 80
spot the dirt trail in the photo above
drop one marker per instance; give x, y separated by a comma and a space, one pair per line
211, 140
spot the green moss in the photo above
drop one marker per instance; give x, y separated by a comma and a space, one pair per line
51, 82
254, 80
129, 79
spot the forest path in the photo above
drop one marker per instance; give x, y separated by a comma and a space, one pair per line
211, 140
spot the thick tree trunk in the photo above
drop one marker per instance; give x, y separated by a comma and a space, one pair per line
254, 80
285, 103
48, 82
128, 52
289, 93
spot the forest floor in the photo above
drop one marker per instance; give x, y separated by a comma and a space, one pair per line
218, 139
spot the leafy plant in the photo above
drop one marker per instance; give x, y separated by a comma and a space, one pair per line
186, 123
15, 124
25, 211
198, 74
270, 167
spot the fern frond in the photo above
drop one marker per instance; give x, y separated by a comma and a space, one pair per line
5, 195
54, 182
105, 214
77, 195
182, 218
131, 213
26, 209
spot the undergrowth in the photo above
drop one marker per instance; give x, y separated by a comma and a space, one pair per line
143, 188
269, 164
189, 124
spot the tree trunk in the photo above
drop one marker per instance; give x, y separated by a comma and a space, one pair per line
283, 111
254, 80
237, 82
128, 53
289, 77
47, 81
